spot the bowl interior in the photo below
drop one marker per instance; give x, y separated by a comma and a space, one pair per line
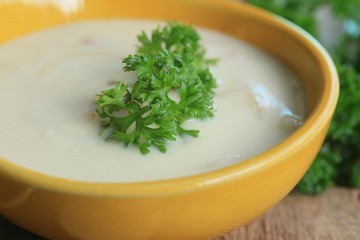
272, 34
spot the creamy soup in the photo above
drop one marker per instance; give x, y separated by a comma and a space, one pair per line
48, 81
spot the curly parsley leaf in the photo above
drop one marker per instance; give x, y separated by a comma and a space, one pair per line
173, 84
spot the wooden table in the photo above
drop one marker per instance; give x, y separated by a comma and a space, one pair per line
335, 215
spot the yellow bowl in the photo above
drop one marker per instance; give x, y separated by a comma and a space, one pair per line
194, 207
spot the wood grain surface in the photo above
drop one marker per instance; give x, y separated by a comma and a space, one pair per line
335, 215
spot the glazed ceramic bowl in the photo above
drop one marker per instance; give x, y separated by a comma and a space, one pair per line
195, 207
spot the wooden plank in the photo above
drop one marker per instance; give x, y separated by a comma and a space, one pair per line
331, 216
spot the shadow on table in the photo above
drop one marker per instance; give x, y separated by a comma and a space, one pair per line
9, 231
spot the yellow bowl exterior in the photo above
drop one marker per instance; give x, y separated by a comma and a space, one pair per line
194, 207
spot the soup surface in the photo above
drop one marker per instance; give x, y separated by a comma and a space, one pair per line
49, 79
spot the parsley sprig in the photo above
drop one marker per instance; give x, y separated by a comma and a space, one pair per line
174, 84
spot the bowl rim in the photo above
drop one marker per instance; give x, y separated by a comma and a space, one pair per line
323, 110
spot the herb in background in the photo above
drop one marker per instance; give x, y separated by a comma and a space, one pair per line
173, 84
339, 159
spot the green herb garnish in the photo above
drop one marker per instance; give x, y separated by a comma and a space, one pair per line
173, 84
